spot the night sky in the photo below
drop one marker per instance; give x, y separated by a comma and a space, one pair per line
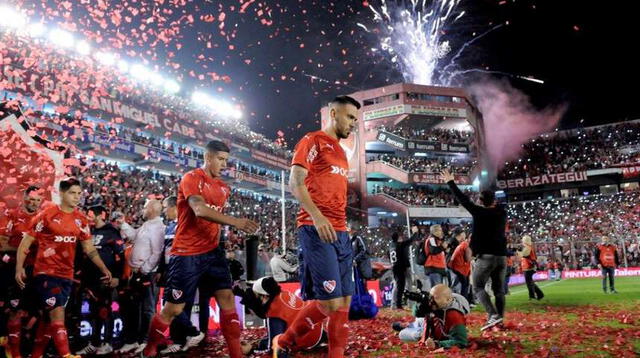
265, 51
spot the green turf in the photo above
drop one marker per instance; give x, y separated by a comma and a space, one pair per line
576, 292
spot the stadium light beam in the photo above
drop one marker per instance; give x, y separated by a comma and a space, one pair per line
12, 18
171, 86
123, 66
83, 47
140, 72
156, 79
61, 38
36, 29
105, 58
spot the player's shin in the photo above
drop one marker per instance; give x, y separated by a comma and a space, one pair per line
230, 324
338, 332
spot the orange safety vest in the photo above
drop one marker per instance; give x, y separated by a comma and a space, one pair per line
607, 255
458, 262
528, 262
437, 260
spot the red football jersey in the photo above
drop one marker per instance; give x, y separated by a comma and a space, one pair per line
19, 223
57, 234
194, 235
327, 179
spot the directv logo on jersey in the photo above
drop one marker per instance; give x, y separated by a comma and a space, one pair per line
68, 239
337, 170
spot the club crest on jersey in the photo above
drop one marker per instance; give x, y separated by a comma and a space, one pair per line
79, 223
313, 153
176, 294
329, 286
51, 301
39, 226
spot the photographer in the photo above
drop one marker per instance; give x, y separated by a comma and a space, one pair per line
281, 269
435, 265
529, 266
440, 319
460, 266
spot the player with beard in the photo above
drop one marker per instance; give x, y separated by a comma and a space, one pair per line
57, 229
196, 255
18, 303
319, 179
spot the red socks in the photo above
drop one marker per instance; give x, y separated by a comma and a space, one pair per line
310, 315
58, 332
42, 340
157, 330
230, 325
13, 328
338, 332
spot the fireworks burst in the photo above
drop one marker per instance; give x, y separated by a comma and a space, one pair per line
411, 34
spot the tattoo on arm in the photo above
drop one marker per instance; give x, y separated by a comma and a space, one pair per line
298, 174
92, 254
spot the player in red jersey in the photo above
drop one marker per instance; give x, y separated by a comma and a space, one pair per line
318, 180
196, 254
57, 229
18, 303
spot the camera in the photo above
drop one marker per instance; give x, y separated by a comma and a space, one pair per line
423, 299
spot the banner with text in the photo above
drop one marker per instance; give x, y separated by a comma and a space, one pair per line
401, 143
631, 172
423, 110
435, 178
542, 180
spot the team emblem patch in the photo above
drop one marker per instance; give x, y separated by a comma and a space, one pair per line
176, 294
329, 286
79, 223
51, 301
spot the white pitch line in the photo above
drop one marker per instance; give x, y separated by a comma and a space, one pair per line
541, 286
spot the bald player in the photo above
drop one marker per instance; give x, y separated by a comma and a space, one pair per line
319, 172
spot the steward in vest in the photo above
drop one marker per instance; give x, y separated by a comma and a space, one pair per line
607, 257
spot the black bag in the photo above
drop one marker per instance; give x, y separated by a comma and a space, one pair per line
421, 255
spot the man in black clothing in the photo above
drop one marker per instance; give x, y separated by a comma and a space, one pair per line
489, 246
361, 259
399, 256
108, 242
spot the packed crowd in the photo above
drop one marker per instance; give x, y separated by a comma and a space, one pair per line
143, 138
577, 218
420, 196
426, 165
581, 221
126, 190
84, 72
432, 134
577, 150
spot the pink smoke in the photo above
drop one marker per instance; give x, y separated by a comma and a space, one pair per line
510, 119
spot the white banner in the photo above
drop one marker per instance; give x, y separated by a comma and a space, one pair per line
431, 212
542, 180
